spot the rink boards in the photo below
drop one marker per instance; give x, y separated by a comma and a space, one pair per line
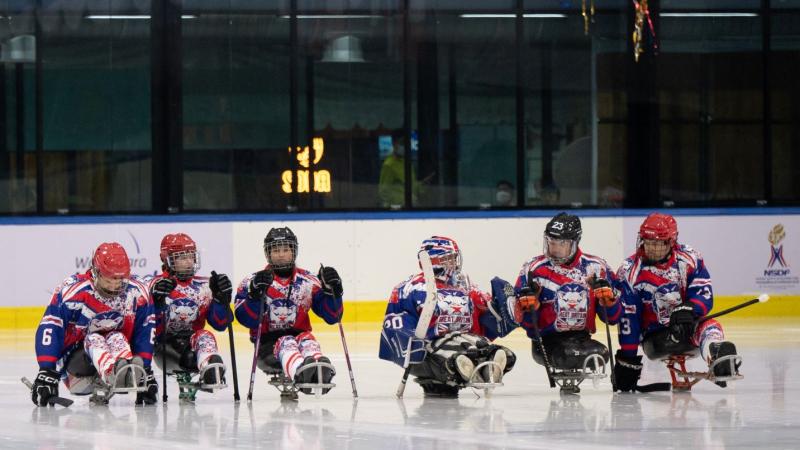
747, 251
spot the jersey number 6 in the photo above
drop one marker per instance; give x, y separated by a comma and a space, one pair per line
46, 339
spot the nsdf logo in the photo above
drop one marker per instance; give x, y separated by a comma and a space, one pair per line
132, 248
777, 274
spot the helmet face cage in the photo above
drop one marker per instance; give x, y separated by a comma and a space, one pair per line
278, 239
279, 245
177, 266
445, 257
110, 269
175, 250
562, 228
658, 227
558, 260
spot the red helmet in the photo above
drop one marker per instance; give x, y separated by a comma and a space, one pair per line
178, 244
111, 261
659, 227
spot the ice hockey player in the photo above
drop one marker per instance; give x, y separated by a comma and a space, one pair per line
97, 324
184, 302
671, 292
460, 333
289, 293
560, 293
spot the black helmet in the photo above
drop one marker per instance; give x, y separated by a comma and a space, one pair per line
564, 226
280, 237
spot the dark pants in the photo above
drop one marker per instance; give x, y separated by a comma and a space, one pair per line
179, 354
445, 349
658, 345
267, 361
568, 350
79, 365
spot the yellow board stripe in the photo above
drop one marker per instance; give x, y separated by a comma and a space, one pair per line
28, 317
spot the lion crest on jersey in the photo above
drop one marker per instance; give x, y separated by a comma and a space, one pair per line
665, 299
104, 322
182, 314
572, 305
453, 312
282, 314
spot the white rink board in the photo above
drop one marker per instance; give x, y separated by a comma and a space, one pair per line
375, 255
41, 256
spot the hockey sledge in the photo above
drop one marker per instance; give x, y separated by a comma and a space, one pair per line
569, 380
128, 379
289, 389
189, 383
683, 379
488, 385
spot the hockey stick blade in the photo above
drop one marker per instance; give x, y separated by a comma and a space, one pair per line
61, 401
430, 299
425, 315
654, 387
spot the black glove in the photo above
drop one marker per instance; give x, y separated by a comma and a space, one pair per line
597, 283
221, 288
331, 281
44, 387
161, 290
260, 283
681, 323
150, 396
627, 370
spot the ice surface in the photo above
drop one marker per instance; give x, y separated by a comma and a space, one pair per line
760, 411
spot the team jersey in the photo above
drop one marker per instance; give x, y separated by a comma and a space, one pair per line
76, 310
458, 308
566, 300
188, 307
289, 300
658, 288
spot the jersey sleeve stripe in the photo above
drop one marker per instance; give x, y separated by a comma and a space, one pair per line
702, 306
52, 320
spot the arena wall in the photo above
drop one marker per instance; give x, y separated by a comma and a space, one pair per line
747, 251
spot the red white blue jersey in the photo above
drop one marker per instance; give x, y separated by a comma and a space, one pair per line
288, 302
458, 308
658, 288
76, 309
189, 306
566, 300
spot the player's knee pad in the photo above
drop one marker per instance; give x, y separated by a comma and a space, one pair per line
306, 335
117, 341
710, 330
286, 343
203, 338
